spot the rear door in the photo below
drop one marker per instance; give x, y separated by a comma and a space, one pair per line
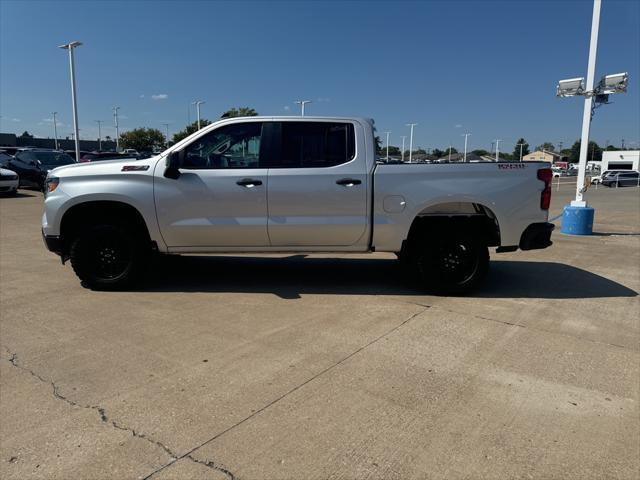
317, 184
220, 198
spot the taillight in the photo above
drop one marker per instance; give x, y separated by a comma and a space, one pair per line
545, 174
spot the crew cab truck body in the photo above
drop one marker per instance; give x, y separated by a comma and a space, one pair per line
293, 184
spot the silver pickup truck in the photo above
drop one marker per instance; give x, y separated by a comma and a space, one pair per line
293, 184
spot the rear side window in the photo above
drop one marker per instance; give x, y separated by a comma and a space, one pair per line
315, 144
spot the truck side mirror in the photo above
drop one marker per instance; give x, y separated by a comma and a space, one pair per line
174, 161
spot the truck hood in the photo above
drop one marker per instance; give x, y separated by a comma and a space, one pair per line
104, 167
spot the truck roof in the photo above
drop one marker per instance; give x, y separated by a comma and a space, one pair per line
305, 118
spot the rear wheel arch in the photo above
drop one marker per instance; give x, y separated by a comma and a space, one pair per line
471, 217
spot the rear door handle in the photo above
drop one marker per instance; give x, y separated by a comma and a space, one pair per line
249, 182
348, 182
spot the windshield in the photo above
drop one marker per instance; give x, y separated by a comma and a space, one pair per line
53, 159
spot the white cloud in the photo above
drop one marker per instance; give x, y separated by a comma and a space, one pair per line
16, 120
458, 126
142, 96
287, 108
160, 96
323, 99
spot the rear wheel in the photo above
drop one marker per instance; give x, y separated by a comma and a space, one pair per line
452, 265
108, 256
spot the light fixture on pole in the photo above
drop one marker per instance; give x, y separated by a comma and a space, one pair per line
411, 125
403, 139
498, 140
166, 125
115, 118
578, 218
466, 136
99, 122
55, 129
71, 46
197, 103
302, 103
387, 145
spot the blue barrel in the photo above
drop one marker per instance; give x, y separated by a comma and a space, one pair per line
577, 220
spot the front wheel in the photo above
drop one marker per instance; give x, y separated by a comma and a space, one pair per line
108, 257
452, 265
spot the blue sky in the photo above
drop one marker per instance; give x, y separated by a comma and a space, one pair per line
487, 67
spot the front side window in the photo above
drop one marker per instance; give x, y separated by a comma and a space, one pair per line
53, 159
231, 146
316, 144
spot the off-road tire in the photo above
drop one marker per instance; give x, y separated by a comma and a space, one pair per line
109, 256
454, 264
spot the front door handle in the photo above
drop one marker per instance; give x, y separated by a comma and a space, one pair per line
248, 182
348, 182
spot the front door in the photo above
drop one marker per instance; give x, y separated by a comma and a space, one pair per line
220, 198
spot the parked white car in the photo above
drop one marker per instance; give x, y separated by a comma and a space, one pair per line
295, 184
8, 182
603, 175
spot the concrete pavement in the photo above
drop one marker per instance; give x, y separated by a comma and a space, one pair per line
264, 367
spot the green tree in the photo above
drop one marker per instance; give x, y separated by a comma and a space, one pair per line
516, 150
26, 134
379, 148
594, 152
142, 139
240, 112
395, 151
547, 147
189, 129
480, 152
419, 151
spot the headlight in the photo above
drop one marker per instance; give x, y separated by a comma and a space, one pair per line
50, 184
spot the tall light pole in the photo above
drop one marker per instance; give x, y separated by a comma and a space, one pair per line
99, 122
449, 153
403, 139
302, 103
521, 145
466, 136
55, 128
115, 118
71, 46
387, 145
588, 105
498, 140
197, 103
411, 125
167, 127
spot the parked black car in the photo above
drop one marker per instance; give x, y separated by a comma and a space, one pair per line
5, 158
33, 165
98, 156
622, 179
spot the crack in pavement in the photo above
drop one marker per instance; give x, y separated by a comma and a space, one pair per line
218, 467
13, 360
213, 466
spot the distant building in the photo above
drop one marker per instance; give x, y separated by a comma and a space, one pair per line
543, 156
12, 140
620, 160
